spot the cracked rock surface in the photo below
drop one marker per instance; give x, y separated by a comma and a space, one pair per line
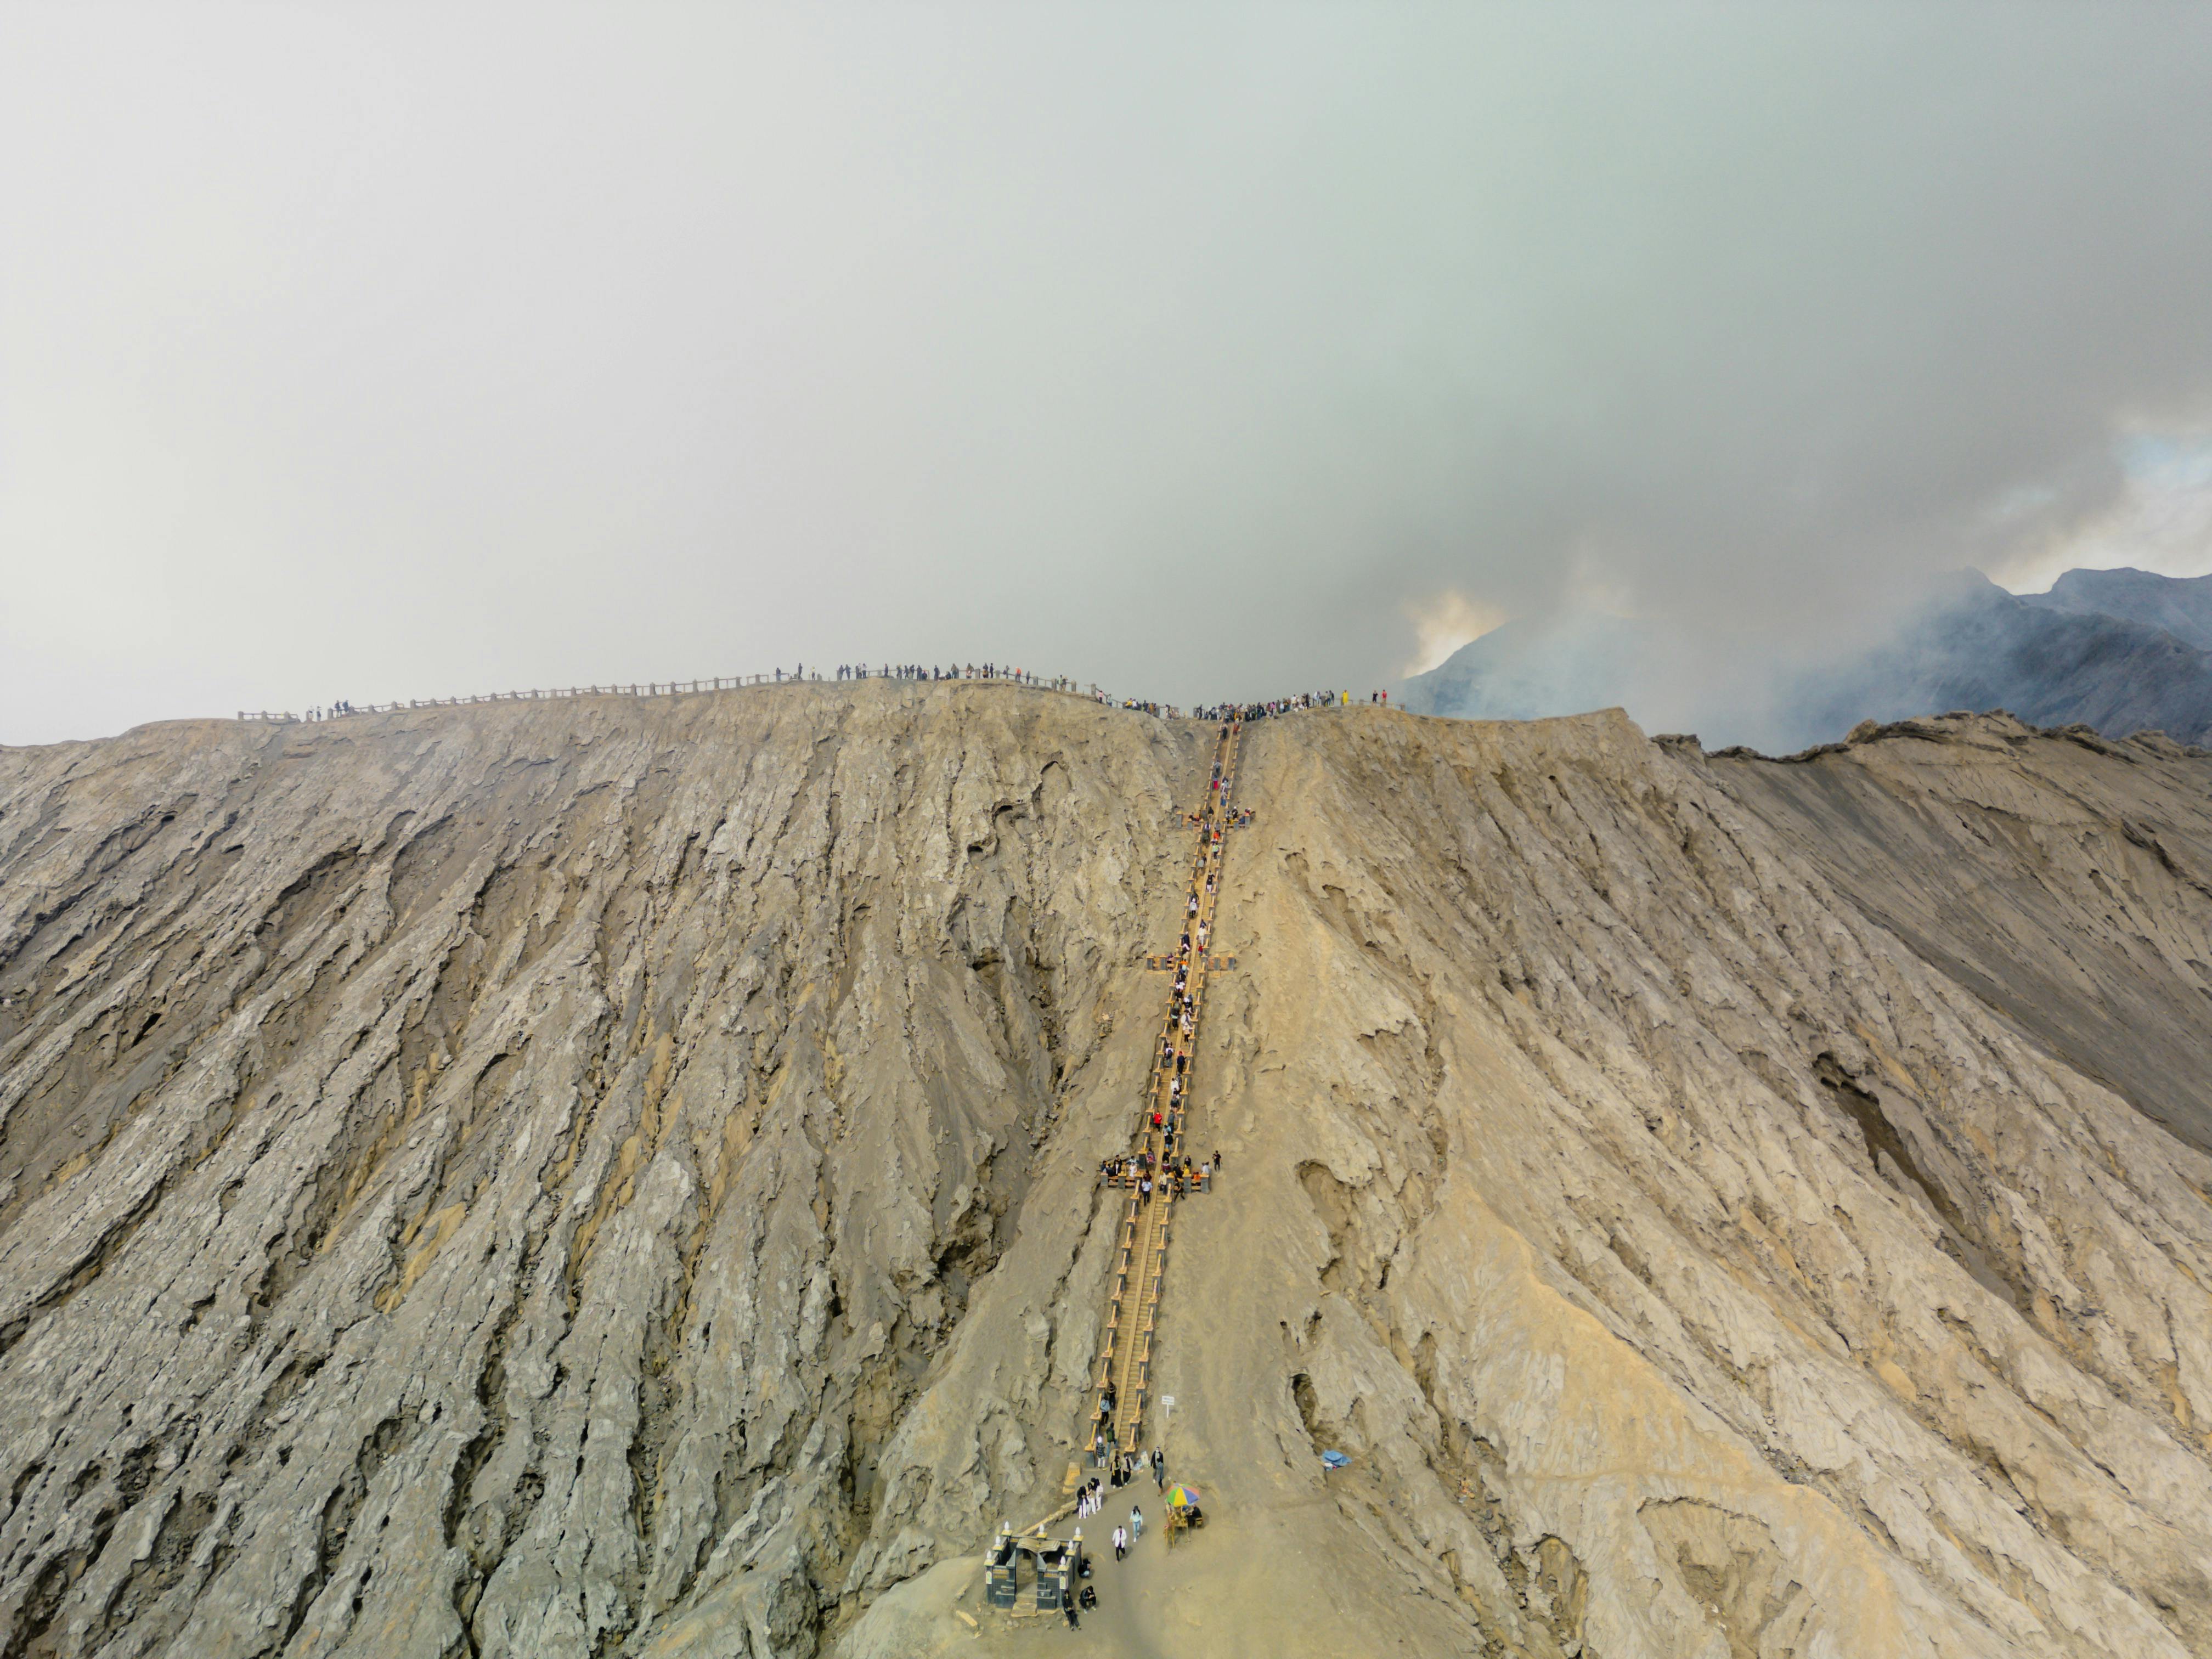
614, 1177
493, 1181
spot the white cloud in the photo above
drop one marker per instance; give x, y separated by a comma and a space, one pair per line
1444, 622
2161, 521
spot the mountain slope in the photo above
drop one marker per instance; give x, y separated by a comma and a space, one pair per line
2095, 651
506, 1170
2061, 881
1986, 648
618, 1177
1629, 1146
2180, 606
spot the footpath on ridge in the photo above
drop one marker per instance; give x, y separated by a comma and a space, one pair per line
1152, 1169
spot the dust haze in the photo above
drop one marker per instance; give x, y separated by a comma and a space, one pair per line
372, 355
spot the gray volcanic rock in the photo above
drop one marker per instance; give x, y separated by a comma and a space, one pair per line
2180, 606
493, 1179
616, 1177
1986, 649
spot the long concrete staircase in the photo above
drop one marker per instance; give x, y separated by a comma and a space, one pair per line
1123, 1385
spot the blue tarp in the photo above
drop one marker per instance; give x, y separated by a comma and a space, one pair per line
1336, 1460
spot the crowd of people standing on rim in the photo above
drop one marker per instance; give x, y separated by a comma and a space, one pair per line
929, 671
1222, 711
1225, 711
1260, 711
917, 671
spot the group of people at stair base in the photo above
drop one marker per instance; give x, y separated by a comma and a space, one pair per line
1122, 1469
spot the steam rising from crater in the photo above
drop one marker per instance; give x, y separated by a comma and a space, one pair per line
345, 356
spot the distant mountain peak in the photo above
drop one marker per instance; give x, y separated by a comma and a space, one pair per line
2181, 605
2122, 651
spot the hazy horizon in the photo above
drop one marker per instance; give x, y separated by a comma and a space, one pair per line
1232, 351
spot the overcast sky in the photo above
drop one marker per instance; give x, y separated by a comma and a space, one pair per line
382, 351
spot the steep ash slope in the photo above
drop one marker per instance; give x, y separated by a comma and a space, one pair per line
1690, 1268
488, 1180
2064, 881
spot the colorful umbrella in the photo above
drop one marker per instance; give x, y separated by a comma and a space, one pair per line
1178, 1496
